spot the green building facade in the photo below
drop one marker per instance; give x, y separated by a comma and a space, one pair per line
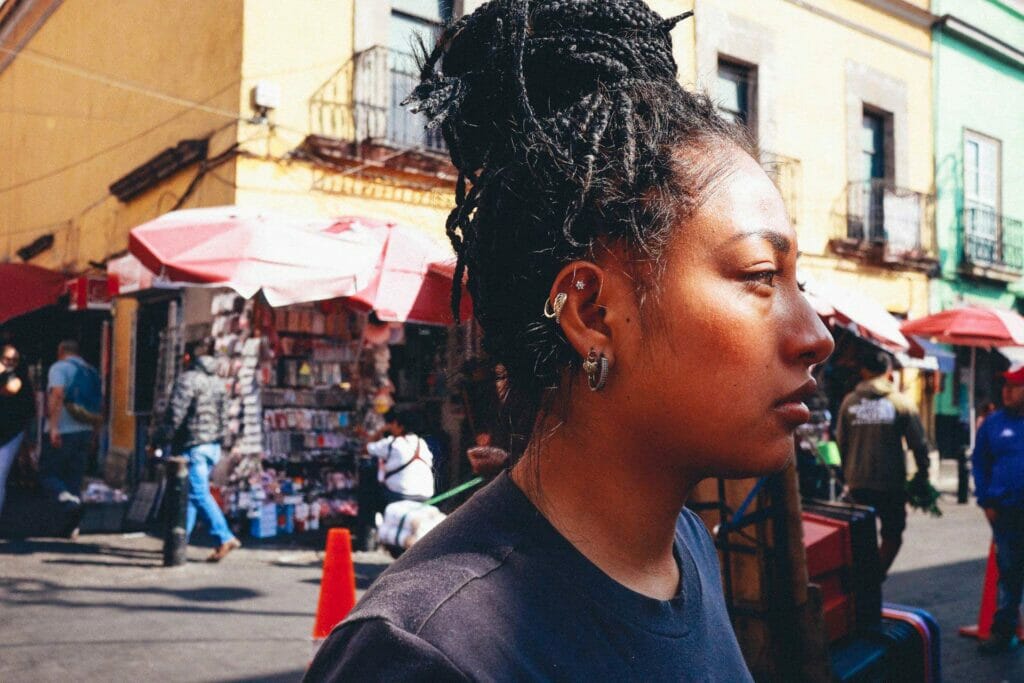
978, 103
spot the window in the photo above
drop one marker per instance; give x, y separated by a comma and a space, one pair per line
981, 172
413, 22
982, 223
873, 146
876, 173
737, 94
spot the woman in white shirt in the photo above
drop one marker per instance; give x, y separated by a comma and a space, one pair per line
406, 465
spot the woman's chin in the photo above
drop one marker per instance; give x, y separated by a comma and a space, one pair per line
768, 461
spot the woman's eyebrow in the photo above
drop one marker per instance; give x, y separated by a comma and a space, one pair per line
778, 241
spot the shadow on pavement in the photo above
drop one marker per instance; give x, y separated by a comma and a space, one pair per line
949, 592
282, 677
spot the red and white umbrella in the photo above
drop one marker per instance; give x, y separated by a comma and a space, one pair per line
289, 258
972, 326
412, 281
853, 309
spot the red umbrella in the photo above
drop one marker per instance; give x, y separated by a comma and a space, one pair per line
249, 250
413, 279
973, 326
26, 288
970, 326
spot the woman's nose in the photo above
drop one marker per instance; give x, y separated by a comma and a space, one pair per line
809, 341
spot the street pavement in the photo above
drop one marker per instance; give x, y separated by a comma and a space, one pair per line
104, 609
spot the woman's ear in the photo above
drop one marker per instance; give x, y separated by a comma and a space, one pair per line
582, 313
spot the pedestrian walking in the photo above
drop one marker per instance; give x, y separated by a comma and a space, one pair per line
633, 270
17, 408
405, 462
998, 466
74, 413
874, 422
198, 423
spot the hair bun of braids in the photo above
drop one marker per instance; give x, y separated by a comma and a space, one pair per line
562, 117
530, 67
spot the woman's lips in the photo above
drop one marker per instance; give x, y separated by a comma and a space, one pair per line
793, 412
792, 408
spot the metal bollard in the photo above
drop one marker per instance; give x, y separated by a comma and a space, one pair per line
175, 508
963, 478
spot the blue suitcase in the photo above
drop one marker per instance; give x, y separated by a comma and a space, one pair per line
926, 665
903, 647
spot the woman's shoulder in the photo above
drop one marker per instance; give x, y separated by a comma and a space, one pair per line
465, 548
374, 649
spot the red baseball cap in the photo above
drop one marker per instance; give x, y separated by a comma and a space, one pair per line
1015, 377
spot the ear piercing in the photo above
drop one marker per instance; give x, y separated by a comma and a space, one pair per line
554, 310
596, 366
580, 284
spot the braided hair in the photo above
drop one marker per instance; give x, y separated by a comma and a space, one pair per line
568, 128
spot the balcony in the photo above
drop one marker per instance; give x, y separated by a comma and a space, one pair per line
356, 120
887, 226
993, 244
787, 174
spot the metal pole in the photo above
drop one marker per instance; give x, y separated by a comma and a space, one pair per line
971, 413
175, 508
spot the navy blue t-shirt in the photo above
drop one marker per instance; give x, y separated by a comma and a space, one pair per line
495, 593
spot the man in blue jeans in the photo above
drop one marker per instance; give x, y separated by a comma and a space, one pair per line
998, 466
198, 424
73, 403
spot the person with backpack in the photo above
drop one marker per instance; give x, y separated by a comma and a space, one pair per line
197, 418
74, 411
406, 465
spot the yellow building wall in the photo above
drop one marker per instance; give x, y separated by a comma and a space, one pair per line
306, 54
101, 88
122, 423
804, 76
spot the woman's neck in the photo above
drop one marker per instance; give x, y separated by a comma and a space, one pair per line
612, 501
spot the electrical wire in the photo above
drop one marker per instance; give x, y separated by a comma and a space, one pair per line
61, 65
105, 150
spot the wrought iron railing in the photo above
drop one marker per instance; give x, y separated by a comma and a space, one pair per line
786, 173
361, 102
880, 214
991, 239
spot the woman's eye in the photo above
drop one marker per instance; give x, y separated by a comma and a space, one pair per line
763, 277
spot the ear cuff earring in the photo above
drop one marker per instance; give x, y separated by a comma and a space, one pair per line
554, 310
596, 366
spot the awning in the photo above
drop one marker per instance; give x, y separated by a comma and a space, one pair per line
925, 355
286, 257
26, 288
857, 313
1014, 354
400, 272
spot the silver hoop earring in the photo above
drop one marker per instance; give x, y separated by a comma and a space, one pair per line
596, 366
554, 310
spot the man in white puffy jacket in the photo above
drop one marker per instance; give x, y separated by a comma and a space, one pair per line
406, 465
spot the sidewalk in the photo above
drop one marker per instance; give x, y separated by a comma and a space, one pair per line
104, 609
940, 568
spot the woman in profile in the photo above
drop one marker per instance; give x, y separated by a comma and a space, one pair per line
634, 271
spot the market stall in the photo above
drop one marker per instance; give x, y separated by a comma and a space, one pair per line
311, 367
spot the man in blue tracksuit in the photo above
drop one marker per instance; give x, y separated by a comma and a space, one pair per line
998, 464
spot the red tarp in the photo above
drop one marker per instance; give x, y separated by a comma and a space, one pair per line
25, 288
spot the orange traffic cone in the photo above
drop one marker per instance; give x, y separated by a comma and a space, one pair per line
989, 596
338, 584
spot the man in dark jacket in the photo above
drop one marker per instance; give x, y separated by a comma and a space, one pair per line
197, 418
998, 466
874, 420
